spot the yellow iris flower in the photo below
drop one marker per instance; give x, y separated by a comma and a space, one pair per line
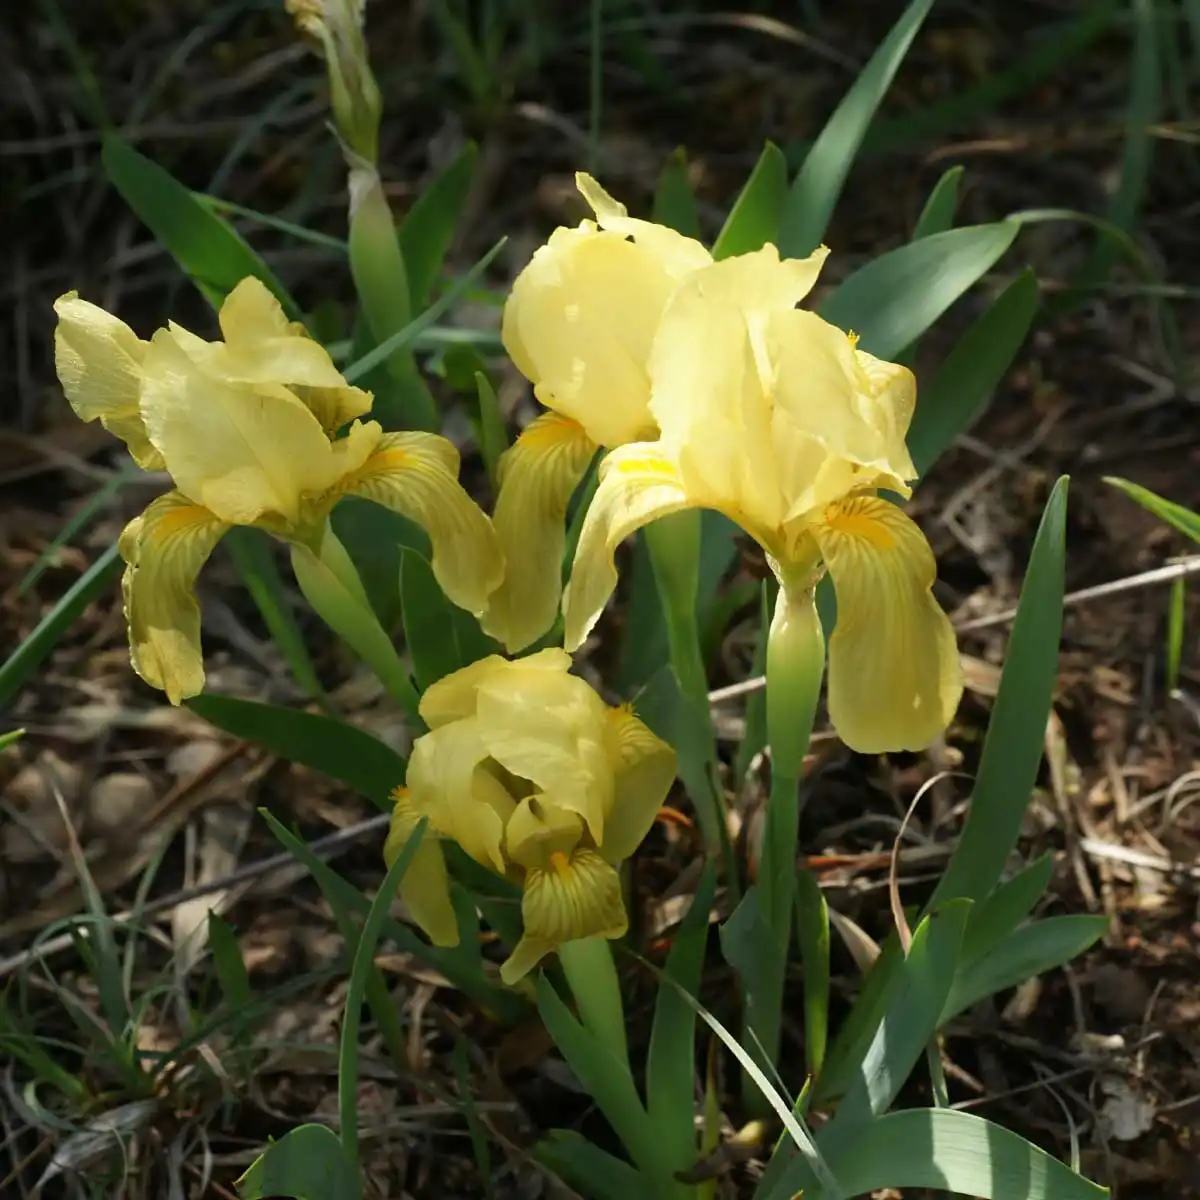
246, 429
579, 324
772, 416
535, 777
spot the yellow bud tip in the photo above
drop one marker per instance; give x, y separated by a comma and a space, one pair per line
561, 863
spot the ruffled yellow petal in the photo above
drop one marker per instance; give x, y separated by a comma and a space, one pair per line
709, 401
425, 888
579, 322
242, 451
550, 728
164, 549
578, 896
456, 695
99, 363
759, 285
416, 475
637, 485
645, 770
894, 673
677, 254
462, 800
840, 415
538, 476
263, 346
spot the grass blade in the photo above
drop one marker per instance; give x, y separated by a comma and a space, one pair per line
816, 189
1012, 749
970, 373
674, 200
21, 664
754, 219
343, 752
671, 1058
938, 214
1176, 515
895, 298
250, 550
207, 249
363, 965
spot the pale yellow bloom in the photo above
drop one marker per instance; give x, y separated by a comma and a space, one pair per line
579, 324
246, 429
535, 777
772, 416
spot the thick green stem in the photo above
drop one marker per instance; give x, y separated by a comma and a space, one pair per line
590, 970
674, 545
795, 667
331, 584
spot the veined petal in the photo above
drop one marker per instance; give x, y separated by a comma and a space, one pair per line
550, 728
425, 888
637, 485
894, 673
99, 363
538, 476
579, 323
415, 474
710, 404
645, 770
456, 695
242, 451
164, 549
678, 255
579, 896
448, 784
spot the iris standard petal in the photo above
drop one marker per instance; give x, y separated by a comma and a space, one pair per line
645, 769
710, 404
538, 830
263, 346
164, 549
550, 728
579, 323
425, 888
579, 896
241, 451
461, 799
637, 485
894, 673
99, 363
538, 476
416, 475
456, 695
679, 255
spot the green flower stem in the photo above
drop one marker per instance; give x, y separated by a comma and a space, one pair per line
674, 545
795, 667
590, 970
331, 584
381, 281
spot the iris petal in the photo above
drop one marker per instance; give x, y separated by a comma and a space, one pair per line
638, 484
99, 363
894, 673
164, 549
416, 475
538, 476
578, 897
425, 888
